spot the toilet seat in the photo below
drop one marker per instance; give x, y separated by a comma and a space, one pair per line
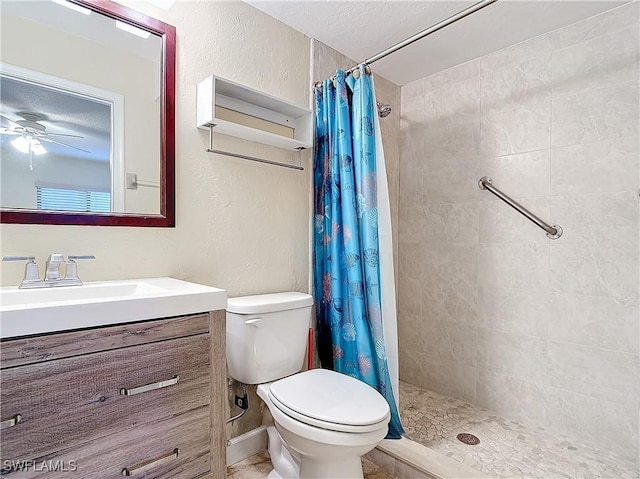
330, 400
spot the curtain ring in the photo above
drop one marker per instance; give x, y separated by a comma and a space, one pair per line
356, 74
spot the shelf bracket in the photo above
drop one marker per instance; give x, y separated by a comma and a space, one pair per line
251, 158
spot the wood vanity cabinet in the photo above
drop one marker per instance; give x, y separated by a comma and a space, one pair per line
142, 399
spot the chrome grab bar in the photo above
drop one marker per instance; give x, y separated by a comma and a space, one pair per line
553, 232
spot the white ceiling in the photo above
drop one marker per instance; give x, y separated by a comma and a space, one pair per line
361, 29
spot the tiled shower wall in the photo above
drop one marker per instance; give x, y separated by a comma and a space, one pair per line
490, 310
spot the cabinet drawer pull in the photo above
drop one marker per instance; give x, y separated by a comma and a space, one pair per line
143, 467
149, 387
12, 421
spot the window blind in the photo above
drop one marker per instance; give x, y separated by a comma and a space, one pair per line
66, 199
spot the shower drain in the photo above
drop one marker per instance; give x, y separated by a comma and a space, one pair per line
469, 439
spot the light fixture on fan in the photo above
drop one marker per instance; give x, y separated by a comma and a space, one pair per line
30, 135
27, 144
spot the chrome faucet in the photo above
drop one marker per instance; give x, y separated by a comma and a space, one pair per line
52, 276
52, 272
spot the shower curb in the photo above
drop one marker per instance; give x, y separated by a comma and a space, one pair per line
406, 459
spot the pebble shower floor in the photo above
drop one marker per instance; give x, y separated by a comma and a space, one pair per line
508, 449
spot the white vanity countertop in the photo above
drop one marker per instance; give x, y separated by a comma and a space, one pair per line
45, 310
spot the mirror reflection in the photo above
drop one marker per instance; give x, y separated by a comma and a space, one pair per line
80, 106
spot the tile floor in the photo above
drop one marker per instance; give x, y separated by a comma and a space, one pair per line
258, 466
508, 449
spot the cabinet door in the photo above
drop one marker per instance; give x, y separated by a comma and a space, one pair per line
176, 447
66, 402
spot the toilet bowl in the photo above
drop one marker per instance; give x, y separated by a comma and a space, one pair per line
319, 422
327, 420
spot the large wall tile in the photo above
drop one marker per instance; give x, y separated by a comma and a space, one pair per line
412, 167
449, 281
613, 425
511, 396
555, 122
451, 223
451, 138
613, 166
594, 27
451, 263
411, 332
594, 270
453, 101
535, 47
594, 115
517, 86
411, 263
409, 295
600, 373
513, 266
449, 378
519, 311
606, 60
412, 112
600, 218
516, 131
597, 321
499, 223
412, 224
458, 73
412, 366
452, 341
524, 357
520, 176
455, 301
449, 180
452, 120
412, 91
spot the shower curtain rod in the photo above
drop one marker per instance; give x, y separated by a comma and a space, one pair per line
433, 28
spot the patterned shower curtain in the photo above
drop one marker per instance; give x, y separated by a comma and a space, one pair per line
346, 254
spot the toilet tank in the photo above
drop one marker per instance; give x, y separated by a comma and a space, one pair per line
267, 335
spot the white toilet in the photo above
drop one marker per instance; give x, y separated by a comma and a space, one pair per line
325, 420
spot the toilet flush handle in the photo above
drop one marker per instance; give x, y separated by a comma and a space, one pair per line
255, 322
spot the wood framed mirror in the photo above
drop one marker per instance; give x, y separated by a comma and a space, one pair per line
87, 105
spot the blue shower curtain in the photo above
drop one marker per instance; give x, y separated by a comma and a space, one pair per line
346, 254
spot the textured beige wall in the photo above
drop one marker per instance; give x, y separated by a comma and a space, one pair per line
240, 225
490, 309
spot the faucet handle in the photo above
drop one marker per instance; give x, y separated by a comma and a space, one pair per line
31, 273
72, 267
19, 258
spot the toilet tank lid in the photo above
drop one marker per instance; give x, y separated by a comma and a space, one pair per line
268, 303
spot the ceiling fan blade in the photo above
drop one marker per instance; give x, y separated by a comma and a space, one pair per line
9, 131
63, 144
9, 119
62, 134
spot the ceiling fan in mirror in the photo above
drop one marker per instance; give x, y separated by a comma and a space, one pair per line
30, 134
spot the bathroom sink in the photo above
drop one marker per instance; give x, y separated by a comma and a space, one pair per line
43, 310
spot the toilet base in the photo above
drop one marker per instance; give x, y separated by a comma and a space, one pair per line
340, 469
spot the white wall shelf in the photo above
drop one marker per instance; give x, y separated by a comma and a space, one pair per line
242, 112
